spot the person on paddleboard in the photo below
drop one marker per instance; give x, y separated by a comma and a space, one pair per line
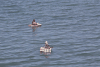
33, 22
46, 45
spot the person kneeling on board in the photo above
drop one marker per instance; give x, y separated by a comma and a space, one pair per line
46, 45
33, 22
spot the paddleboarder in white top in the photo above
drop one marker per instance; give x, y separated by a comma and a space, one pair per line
46, 45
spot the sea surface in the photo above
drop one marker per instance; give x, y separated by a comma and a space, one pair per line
71, 27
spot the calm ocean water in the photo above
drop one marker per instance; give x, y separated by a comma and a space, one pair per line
71, 27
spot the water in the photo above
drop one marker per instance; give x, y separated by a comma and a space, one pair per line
71, 27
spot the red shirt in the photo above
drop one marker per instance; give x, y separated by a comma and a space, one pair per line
34, 23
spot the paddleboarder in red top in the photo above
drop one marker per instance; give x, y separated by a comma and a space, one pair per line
33, 22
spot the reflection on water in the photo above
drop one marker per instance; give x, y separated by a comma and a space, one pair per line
45, 53
34, 28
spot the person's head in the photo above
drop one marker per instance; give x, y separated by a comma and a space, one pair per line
46, 42
34, 20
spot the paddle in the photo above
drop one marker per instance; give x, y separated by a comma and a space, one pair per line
51, 47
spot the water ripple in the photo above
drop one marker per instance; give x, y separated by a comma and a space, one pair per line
71, 27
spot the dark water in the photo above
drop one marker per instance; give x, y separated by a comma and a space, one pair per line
72, 27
